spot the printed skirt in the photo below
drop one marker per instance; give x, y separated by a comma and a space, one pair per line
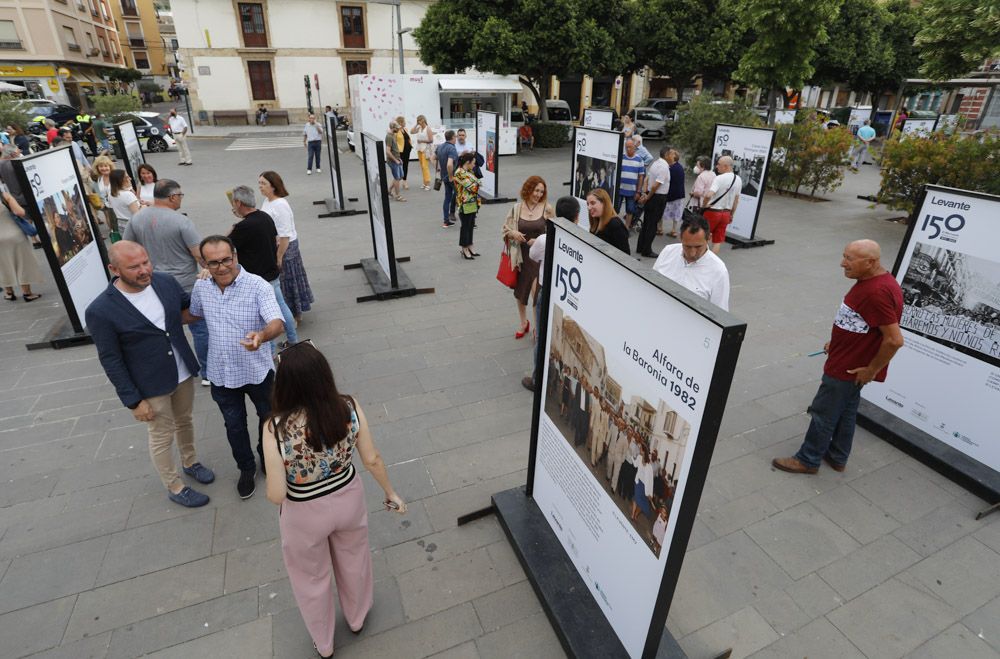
294, 281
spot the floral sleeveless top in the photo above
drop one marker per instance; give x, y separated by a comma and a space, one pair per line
311, 474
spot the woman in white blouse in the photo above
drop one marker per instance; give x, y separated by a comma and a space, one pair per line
294, 281
147, 179
122, 198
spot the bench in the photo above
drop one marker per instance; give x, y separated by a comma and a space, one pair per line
274, 115
231, 117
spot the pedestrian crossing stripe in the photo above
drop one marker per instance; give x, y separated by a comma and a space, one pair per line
256, 143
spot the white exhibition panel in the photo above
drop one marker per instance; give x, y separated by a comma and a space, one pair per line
598, 119
597, 159
660, 368
945, 381
133, 151
374, 160
487, 143
919, 126
750, 149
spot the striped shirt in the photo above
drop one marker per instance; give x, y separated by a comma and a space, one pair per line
311, 474
246, 305
632, 169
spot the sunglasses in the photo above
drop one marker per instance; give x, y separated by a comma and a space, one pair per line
277, 357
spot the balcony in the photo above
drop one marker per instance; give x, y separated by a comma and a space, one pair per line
129, 8
74, 47
137, 42
10, 45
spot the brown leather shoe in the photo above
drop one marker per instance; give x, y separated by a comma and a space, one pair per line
833, 465
792, 465
528, 383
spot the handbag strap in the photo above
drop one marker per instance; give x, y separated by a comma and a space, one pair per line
711, 203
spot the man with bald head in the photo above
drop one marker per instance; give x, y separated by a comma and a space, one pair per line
137, 328
864, 339
721, 200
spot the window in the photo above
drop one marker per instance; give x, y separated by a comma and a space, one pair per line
252, 24
174, 44
261, 84
129, 8
356, 67
70, 37
93, 7
8, 35
141, 60
353, 23
104, 44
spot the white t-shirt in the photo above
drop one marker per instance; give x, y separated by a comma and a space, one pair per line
719, 185
146, 192
462, 148
537, 253
284, 219
177, 124
149, 305
659, 172
707, 277
120, 204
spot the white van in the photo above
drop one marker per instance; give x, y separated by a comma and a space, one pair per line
560, 113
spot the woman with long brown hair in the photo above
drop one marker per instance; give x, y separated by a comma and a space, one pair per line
309, 444
294, 281
604, 223
524, 223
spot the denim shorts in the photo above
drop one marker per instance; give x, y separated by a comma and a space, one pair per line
397, 170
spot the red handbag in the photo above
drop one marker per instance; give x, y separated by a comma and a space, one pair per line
506, 275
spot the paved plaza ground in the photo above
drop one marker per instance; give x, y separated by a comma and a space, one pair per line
884, 560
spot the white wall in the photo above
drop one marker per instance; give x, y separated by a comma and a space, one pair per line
192, 18
227, 88
291, 89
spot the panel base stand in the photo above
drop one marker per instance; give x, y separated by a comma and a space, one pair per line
62, 335
577, 619
498, 200
333, 211
382, 288
746, 243
952, 463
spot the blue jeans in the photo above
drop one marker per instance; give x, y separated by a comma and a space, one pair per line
233, 406
831, 431
449, 198
199, 332
290, 334
314, 148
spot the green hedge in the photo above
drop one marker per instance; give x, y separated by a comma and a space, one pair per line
807, 155
549, 135
695, 126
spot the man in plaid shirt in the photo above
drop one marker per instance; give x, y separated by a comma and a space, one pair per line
242, 314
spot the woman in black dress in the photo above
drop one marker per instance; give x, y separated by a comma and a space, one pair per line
603, 222
524, 223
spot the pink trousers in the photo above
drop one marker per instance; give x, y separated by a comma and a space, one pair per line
323, 538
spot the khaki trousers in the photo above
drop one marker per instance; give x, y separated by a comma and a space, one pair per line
173, 420
182, 148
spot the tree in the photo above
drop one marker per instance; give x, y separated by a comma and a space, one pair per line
534, 39
670, 28
125, 77
787, 34
957, 36
12, 112
694, 129
114, 106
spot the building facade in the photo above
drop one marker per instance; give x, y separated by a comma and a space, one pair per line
141, 43
237, 56
59, 49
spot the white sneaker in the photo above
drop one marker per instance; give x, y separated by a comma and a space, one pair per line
205, 383
319, 171
308, 172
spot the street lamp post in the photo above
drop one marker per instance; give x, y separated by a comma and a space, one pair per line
401, 33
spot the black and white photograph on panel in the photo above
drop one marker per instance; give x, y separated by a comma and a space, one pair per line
750, 169
592, 173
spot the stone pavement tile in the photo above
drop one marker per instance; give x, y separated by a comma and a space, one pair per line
47, 575
956, 641
869, 566
491, 388
801, 540
440, 585
248, 567
35, 628
989, 534
120, 417
527, 638
856, 515
700, 534
182, 625
130, 441
156, 507
154, 547
730, 448
290, 638
469, 464
745, 416
18, 406
473, 431
461, 373
420, 638
445, 509
92, 647
817, 640
781, 612
965, 574
402, 408
779, 431
410, 479
985, 622
464, 651
389, 387
744, 631
245, 523
442, 545
36, 433
892, 619
31, 535
386, 528
938, 528
519, 400
506, 606
901, 492
721, 578
740, 477
788, 402
44, 457
942, 481
68, 370
125, 602
103, 472
505, 562
814, 596
275, 596
75, 396
250, 640
737, 514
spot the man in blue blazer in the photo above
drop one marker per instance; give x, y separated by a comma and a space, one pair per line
137, 327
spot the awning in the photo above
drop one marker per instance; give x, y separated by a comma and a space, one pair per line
501, 85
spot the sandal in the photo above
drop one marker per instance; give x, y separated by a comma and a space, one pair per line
31, 297
10, 297
399, 198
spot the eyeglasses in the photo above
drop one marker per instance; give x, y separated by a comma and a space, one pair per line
215, 265
277, 357
177, 194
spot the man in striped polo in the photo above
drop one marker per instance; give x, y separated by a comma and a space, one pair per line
633, 179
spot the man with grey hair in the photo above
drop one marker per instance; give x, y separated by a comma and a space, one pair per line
255, 239
172, 242
312, 139
720, 201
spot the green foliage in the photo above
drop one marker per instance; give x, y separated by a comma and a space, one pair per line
125, 76
11, 112
685, 38
854, 52
957, 36
695, 126
113, 106
954, 160
549, 135
150, 86
807, 155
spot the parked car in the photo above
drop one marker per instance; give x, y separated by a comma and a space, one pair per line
40, 107
666, 106
649, 122
516, 117
152, 128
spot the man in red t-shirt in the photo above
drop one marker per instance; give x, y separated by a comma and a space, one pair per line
864, 339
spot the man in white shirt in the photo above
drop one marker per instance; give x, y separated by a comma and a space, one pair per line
463, 145
655, 201
691, 264
312, 140
721, 200
179, 129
